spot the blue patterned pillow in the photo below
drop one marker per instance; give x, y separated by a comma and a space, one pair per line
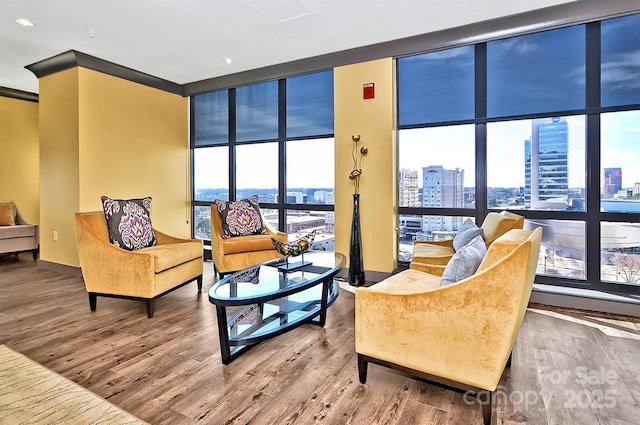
241, 218
129, 222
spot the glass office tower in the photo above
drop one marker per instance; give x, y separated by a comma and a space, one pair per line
547, 166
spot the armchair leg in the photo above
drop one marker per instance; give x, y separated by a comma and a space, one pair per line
199, 280
362, 368
35, 254
93, 300
486, 410
151, 304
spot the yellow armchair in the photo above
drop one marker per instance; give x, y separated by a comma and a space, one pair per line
143, 274
240, 252
460, 335
429, 253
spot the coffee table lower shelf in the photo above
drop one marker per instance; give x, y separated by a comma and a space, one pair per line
249, 325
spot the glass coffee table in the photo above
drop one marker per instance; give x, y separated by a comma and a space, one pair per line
261, 302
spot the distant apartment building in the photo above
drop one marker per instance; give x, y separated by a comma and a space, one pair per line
636, 188
442, 189
547, 164
295, 198
612, 180
323, 197
408, 191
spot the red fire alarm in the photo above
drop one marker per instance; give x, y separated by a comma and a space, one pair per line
368, 91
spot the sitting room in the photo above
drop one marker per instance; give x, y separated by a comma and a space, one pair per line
445, 211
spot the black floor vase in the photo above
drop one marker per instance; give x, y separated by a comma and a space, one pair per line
356, 271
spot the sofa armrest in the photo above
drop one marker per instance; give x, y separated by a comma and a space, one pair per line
446, 242
434, 269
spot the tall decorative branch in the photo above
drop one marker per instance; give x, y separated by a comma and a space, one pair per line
357, 155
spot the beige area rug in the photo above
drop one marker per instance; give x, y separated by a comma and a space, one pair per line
32, 394
345, 286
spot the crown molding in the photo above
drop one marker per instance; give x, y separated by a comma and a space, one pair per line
18, 94
74, 58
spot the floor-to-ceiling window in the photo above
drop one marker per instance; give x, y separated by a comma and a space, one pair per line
545, 124
273, 139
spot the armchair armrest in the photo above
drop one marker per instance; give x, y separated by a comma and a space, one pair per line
163, 238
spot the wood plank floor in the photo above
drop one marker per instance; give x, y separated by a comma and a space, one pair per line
569, 367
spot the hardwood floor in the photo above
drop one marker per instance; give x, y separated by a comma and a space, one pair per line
569, 367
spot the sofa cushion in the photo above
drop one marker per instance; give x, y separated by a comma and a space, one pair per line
241, 218
496, 224
129, 222
7, 214
172, 255
465, 262
466, 232
18, 231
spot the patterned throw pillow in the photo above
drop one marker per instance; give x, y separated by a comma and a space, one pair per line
241, 218
129, 222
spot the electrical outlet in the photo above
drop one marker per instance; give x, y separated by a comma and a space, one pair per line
55, 236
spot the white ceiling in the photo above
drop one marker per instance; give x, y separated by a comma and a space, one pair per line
187, 40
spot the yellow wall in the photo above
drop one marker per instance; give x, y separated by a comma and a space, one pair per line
374, 121
19, 156
59, 166
134, 143
102, 135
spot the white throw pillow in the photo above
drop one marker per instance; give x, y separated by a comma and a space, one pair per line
466, 232
464, 262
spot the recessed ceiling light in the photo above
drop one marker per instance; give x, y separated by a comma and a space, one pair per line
228, 61
24, 22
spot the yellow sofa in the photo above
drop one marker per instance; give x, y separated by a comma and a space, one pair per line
144, 274
240, 252
427, 254
460, 335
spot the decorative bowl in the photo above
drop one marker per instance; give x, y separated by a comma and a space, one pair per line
295, 248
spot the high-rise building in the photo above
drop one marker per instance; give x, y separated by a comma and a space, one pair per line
546, 164
612, 181
636, 188
408, 195
442, 189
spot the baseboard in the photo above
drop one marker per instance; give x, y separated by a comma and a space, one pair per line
64, 269
583, 299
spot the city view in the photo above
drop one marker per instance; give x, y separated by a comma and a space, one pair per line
531, 164
543, 167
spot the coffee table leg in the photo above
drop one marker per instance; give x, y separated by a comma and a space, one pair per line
326, 284
223, 332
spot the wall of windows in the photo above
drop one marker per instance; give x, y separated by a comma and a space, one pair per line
273, 139
544, 124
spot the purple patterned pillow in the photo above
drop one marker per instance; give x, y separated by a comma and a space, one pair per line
129, 222
241, 218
